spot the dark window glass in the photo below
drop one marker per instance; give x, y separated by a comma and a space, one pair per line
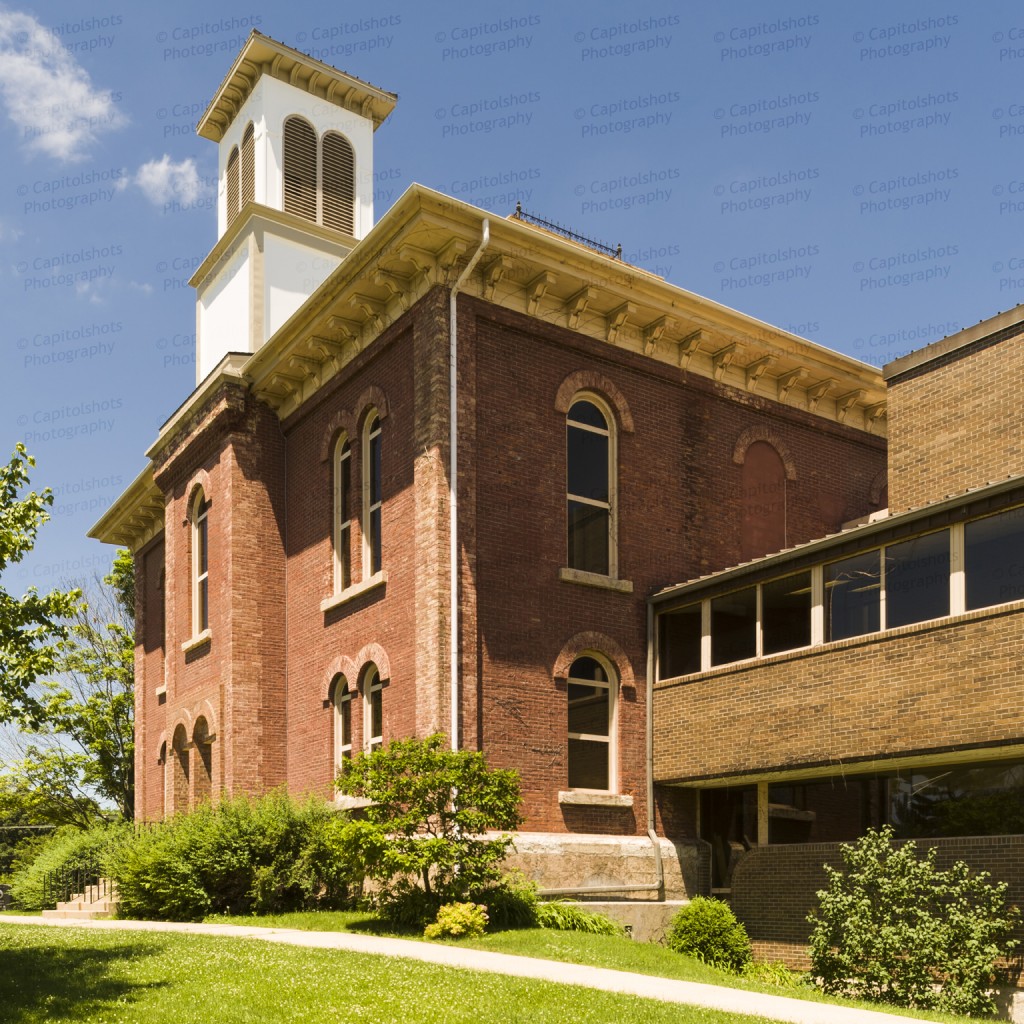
588, 764
994, 559
786, 613
588, 464
375, 541
853, 596
204, 604
375, 462
837, 809
963, 800
679, 634
588, 537
588, 413
589, 724
728, 822
917, 580
734, 626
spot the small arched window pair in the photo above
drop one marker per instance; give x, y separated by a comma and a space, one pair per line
241, 173
319, 176
372, 690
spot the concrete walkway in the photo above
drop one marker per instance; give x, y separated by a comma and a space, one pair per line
731, 1000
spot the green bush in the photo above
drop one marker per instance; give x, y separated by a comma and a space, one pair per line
561, 915
240, 856
422, 840
68, 848
771, 972
458, 921
511, 903
894, 928
708, 930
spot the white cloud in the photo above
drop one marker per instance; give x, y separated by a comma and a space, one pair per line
163, 181
48, 95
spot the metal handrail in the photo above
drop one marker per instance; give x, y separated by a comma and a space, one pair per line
590, 243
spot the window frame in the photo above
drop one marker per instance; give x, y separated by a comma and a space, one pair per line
342, 699
341, 464
373, 545
372, 685
200, 527
611, 506
611, 686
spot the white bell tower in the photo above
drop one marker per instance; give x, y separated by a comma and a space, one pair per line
294, 194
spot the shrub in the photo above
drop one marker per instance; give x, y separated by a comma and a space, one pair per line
511, 903
708, 930
237, 857
561, 915
69, 848
422, 842
771, 972
458, 921
894, 928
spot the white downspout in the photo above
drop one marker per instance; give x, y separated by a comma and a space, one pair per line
453, 482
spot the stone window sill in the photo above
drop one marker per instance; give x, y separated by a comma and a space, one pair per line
593, 798
197, 641
343, 802
354, 591
161, 691
594, 579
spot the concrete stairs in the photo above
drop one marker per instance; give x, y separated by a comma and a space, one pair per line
96, 902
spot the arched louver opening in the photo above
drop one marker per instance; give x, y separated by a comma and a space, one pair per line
338, 183
248, 164
300, 168
232, 183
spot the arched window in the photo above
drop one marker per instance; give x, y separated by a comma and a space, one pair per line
373, 709
342, 698
300, 168
592, 700
232, 183
338, 183
200, 564
342, 515
371, 495
763, 528
590, 487
180, 771
319, 175
248, 185
202, 763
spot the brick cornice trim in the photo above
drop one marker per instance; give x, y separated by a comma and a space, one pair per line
340, 666
591, 380
593, 643
754, 434
376, 654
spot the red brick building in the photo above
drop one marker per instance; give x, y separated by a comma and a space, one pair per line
433, 469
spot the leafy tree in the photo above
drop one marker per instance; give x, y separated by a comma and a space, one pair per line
85, 752
894, 928
422, 840
30, 626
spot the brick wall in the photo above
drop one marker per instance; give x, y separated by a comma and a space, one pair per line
921, 688
774, 887
150, 718
956, 422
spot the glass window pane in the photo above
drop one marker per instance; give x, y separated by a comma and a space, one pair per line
375, 465
587, 465
679, 635
375, 545
587, 412
917, 580
588, 668
588, 538
201, 540
345, 709
588, 764
786, 613
204, 605
852, 596
588, 709
733, 626
376, 712
994, 559
345, 484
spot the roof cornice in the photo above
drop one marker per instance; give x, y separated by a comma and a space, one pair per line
136, 517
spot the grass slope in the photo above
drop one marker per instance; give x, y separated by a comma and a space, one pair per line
95, 977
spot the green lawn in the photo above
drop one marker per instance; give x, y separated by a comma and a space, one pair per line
111, 977
621, 954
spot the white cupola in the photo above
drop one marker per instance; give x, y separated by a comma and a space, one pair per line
294, 193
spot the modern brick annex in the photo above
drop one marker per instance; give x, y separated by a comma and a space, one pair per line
321, 569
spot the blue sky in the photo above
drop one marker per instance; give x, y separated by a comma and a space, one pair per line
849, 172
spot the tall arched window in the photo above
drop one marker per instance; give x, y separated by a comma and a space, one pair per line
248, 184
373, 709
200, 564
371, 495
342, 515
232, 183
300, 164
592, 700
319, 175
180, 787
590, 487
763, 528
338, 182
342, 698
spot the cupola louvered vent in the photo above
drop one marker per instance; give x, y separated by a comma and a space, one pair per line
248, 165
233, 184
338, 182
300, 168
